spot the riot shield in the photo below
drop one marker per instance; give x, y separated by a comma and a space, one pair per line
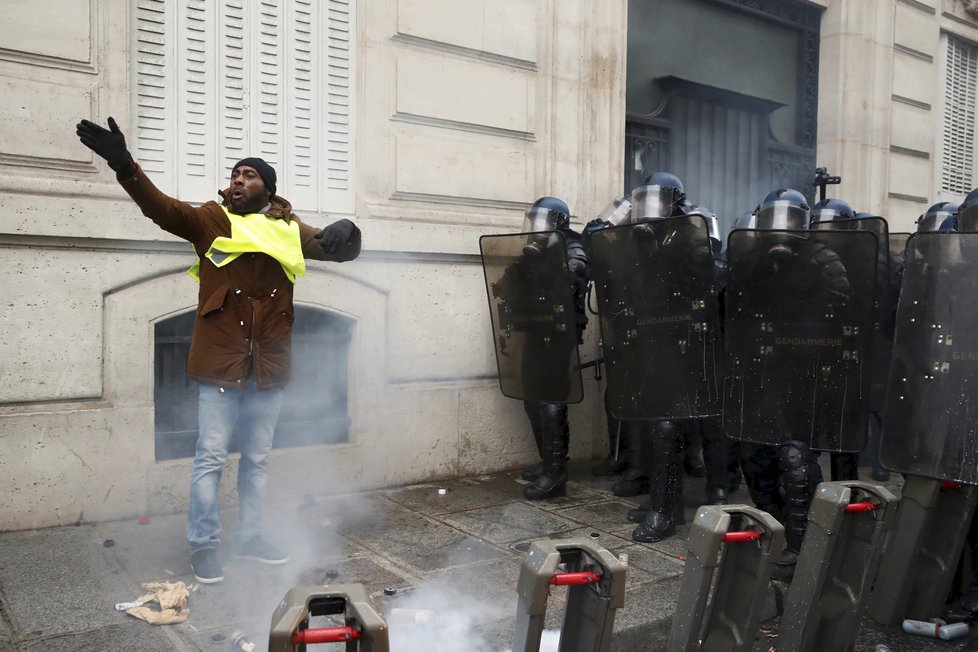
659, 318
929, 425
885, 304
898, 244
798, 337
531, 304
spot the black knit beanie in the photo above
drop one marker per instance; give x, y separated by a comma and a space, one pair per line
264, 170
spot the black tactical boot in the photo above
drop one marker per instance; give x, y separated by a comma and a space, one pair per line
661, 523
666, 509
546, 486
553, 482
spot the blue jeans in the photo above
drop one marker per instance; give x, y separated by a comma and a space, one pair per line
220, 411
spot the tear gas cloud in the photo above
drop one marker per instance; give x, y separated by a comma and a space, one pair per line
330, 533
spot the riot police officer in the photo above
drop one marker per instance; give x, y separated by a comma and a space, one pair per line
788, 300
844, 466
654, 278
965, 219
720, 466
617, 461
548, 420
660, 195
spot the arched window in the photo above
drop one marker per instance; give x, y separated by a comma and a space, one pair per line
315, 407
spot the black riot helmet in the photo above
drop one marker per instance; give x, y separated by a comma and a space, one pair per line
783, 209
870, 222
832, 210
660, 195
935, 215
546, 215
968, 212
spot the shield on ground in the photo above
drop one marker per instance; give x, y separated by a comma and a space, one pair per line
799, 317
929, 425
531, 304
659, 318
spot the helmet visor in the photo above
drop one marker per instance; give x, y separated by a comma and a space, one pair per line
829, 215
781, 215
834, 225
652, 202
873, 224
539, 219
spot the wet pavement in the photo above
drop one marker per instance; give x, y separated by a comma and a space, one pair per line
451, 550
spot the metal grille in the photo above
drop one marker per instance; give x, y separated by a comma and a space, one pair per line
315, 406
722, 153
647, 149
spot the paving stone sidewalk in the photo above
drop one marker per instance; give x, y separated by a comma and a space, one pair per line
454, 554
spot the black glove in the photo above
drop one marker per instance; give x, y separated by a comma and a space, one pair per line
336, 234
109, 143
595, 225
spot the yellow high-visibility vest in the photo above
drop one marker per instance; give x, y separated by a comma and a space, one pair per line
258, 233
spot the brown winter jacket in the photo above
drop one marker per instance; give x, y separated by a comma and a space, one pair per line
244, 309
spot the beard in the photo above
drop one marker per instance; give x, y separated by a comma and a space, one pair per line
244, 204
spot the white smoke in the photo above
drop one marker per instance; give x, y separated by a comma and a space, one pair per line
433, 619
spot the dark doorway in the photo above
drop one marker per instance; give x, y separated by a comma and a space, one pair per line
723, 94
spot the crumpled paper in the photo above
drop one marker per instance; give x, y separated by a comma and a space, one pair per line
171, 597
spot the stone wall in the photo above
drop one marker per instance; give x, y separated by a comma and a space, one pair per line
466, 112
880, 106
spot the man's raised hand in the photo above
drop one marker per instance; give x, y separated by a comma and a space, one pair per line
109, 143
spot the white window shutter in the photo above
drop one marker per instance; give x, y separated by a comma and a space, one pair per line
339, 106
268, 114
196, 101
153, 92
218, 81
961, 80
233, 105
302, 131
